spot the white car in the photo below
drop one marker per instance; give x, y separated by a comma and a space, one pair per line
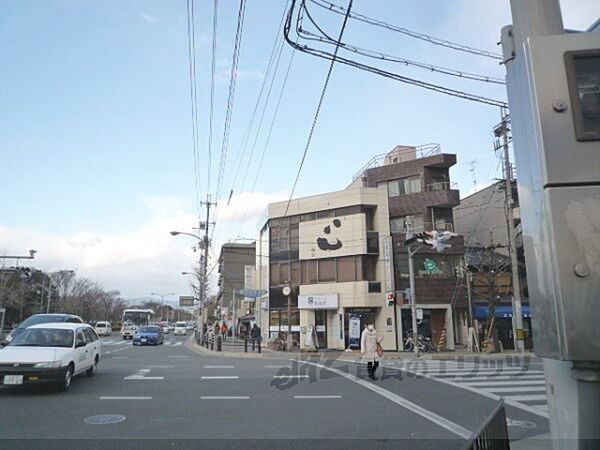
180, 329
103, 328
50, 353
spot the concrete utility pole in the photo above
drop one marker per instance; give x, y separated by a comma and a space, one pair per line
204, 260
517, 317
411, 271
550, 79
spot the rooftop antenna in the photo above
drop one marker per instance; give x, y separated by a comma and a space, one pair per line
473, 165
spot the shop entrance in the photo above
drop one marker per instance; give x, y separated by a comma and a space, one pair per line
366, 315
321, 327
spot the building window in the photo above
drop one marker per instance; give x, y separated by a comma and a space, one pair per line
325, 214
398, 224
326, 270
404, 186
309, 271
346, 269
274, 275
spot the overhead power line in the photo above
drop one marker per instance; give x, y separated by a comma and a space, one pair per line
325, 38
368, 68
327, 78
422, 36
212, 89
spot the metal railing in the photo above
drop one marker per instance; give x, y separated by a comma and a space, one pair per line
422, 151
219, 344
441, 186
493, 433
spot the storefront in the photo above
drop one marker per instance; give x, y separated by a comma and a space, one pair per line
355, 321
503, 319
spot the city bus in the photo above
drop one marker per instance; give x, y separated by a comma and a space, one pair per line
132, 319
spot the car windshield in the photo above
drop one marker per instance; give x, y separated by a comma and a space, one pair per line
44, 337
100, 325
148, 330
180, 324
34, 320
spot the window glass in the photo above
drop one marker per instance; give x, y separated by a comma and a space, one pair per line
307, 217
327, 270
309, 272
274, 275
90, 336
80, 338
295, 271
325, 214
346, 269
284, 273
393, 188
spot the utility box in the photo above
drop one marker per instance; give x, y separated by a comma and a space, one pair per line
559, 192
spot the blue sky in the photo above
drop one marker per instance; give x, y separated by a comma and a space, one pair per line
95, 127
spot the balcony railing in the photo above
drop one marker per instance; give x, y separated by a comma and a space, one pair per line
422, 151
429, 226
441, 186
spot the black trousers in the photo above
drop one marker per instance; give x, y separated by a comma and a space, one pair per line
372, 367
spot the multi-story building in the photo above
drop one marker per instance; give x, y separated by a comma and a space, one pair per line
481, 218
418, 185
329, 250
233, 259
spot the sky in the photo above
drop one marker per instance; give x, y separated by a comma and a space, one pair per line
96, 148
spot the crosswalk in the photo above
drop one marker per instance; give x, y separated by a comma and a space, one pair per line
521, 386
125, 342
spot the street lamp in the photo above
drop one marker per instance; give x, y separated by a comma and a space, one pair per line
162, 300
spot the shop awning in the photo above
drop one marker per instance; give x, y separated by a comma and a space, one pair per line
246, 318
481, 312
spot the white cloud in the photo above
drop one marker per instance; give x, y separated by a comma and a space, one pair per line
147, 259
150, 20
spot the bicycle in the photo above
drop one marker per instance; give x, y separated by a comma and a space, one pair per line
424, 343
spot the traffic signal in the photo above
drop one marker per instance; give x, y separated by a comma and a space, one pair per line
390, 299
24, 272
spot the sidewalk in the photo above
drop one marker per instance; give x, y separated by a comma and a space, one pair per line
238, 351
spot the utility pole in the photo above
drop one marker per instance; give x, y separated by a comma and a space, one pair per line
517, 319
556, 151
204, 260
411, 270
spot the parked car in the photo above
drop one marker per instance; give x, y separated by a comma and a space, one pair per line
150, 334
103, 328
50, 353
41, 318
190, 325
180, 329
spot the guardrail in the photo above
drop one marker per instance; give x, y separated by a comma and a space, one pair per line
217, 343
493, 433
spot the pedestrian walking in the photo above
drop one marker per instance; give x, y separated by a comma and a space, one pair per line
255, 335
224, 330
370, 349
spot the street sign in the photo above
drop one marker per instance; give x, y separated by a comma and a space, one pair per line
186, 301
252, 293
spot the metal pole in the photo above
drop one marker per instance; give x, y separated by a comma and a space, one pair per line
49, 297
413, 303
234, 307
517, 319
289, 312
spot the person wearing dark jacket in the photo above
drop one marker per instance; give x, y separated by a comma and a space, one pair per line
255, 335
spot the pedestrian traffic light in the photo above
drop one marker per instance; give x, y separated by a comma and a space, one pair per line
390, 299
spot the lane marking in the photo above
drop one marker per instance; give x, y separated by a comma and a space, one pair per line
142, 377
412, 407
225, 398
125, 398
218, 367
481, 372
316, 396
290, 376
157, 367
525, 398
277, 367
221, 377
118, 357
517, 389
508, 383
177, 356
503, 377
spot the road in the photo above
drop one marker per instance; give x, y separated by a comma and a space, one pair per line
172, 395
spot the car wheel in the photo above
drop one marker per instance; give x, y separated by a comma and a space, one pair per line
65, 383
92, 370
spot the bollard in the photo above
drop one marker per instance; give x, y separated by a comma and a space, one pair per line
259, 346
218, 343
212, 344
245, 345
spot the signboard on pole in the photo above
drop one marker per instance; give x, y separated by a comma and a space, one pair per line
388, 264
186, 301
329, 301
354, 331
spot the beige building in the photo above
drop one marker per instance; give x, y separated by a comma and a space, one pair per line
335, 253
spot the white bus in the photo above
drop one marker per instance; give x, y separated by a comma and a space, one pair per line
132, 319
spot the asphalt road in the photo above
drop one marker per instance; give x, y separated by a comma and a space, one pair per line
173, 396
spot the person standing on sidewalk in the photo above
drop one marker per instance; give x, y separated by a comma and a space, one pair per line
224, 330
368, 349
255, 335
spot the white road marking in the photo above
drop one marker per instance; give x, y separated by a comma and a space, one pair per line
226, 398
481, 372
525, 398
290, 376
177, 356
218, 367
517, 389
502, 377
221, 377
316, 396
141, 377
125, 398
276, 367
508, 383
412, 407
160, 367
119, 357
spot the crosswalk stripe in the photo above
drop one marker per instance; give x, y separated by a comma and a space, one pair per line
474, 373
516, 389
508, 383
501, 377
526, 398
